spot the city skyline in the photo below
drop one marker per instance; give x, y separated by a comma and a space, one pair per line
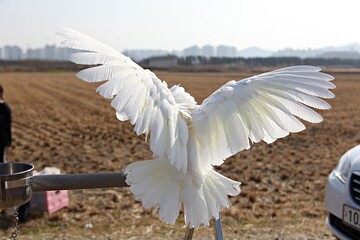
53, 52
168, 25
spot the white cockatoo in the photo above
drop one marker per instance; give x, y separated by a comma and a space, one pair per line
187, 139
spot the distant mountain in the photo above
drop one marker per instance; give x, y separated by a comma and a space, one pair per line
352, 47
349, 51
253, 52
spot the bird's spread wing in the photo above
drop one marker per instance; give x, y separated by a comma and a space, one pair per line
262, 107
138, 95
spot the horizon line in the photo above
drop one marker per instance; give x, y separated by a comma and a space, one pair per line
200, 46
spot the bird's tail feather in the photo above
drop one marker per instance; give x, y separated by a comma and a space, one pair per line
152, 184
156, 184
205, 202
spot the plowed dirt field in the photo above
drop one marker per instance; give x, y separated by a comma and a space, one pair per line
60, 121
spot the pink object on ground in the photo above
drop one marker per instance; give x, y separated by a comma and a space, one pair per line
49, 201
56, 200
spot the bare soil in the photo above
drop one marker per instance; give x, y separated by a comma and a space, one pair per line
60, 121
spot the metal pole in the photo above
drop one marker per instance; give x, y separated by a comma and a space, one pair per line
77, 181
218, 229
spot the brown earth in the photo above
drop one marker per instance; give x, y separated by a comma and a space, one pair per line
60, 121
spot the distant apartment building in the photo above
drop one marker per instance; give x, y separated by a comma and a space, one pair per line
178, 53
208, 51
63, 53
50, 52
12, 53
192, 51
33, 54
54, 53
226, 51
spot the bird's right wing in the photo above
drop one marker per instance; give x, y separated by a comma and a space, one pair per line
138, 95
258, 108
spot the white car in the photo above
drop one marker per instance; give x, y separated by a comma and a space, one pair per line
342, 197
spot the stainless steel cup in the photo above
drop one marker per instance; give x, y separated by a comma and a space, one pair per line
15, 184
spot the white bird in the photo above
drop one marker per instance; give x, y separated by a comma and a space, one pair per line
188, 139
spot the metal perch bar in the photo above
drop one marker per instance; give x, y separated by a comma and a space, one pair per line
78, 181
17, 184
96, 180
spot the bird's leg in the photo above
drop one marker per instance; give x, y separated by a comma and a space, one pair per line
189, 232
218, 229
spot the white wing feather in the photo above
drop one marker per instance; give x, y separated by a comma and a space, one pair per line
138, 95
262, 107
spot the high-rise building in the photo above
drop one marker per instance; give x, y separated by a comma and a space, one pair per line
50, 52
63, 53
177, 53
226, 51
208, 51
37, 53
192, 51
12, 53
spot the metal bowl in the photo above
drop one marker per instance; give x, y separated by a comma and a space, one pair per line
15, 184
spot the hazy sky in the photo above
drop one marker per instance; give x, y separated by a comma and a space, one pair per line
161, 24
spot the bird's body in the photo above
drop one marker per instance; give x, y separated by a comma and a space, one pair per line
188, 139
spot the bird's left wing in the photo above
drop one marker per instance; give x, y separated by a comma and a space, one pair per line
138, 95
262, 107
